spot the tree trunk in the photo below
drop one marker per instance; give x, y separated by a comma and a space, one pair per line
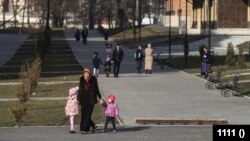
28, 13
134, 19
14, 11
48, 15
92, 4
117, 14
140, 19
81, 7
24, 8
109, 18
148, 11
74, 15
4, 10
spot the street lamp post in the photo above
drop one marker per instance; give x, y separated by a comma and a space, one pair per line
48, 15
124, 18
140, 20
169, 34
186, 48
209, 25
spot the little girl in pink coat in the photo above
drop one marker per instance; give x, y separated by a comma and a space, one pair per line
71, 108
111, 112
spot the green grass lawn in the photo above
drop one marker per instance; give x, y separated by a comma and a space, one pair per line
245, 46
245, 87
44, 113
43, 90
194, 64
45, 79
146, 33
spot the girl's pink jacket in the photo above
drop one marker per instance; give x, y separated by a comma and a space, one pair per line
71, 108
111, 110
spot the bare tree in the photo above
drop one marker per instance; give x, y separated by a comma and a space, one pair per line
134, 19
14, 11
5, 4
24, 8
28, 13
92, 4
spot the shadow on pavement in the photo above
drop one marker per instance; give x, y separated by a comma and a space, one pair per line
121, 129
132, 129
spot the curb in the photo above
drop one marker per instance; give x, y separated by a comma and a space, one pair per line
166, 121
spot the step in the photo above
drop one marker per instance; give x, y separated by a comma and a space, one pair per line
166, 121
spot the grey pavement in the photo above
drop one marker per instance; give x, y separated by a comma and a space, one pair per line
166, 93
137, 133
9, 43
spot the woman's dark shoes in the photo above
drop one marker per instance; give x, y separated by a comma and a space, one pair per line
72, 132
94, 128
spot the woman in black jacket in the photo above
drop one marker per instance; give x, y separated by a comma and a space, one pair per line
87, 98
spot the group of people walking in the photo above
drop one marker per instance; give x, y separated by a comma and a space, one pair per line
115, 58
87, 95
83, 98
83, 34
148, 57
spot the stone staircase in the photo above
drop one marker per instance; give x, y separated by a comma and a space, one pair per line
59, 60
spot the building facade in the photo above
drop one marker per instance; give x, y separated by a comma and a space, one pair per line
224, 14
177, 11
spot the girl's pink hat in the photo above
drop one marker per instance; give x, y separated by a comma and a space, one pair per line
111, 98
73, 91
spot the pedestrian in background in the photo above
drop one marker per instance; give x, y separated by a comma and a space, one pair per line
139, 58
108, 46
71, 108
106, 36
77, 35
85, 33
107, 66
96, 61
117, 57
148, 59
205, 65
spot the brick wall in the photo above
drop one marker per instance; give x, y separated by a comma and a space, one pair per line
232, 14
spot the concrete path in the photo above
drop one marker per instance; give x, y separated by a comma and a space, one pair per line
9, 43
137, 133
164, 94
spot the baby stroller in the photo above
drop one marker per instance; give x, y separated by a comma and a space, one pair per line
107, 66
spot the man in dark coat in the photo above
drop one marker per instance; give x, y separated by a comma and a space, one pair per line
139, 58
117, 57
87, 98
77, 35
85, 33
106, 36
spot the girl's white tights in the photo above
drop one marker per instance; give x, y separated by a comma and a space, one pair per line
71, 120
96, 71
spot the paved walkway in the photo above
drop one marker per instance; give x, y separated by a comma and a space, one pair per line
9, 45
164, 94
171, 133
